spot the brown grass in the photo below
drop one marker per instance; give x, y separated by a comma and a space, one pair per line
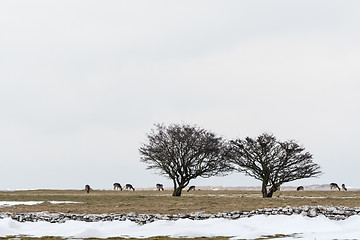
162, 202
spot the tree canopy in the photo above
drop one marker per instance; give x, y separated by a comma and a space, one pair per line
271, 161
184, 152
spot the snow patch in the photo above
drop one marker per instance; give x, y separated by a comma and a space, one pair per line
295, 226
13, 203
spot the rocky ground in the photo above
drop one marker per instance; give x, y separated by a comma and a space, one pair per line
336, 213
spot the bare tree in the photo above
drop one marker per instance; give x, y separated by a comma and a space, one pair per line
271, 161
183, 153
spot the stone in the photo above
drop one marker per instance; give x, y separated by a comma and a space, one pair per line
313, 212
335, 213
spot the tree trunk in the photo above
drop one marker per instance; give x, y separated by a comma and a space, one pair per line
271, 191
177, 191
178, 187
264, 190
270, 194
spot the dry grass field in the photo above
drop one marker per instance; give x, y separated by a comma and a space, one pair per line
207, 201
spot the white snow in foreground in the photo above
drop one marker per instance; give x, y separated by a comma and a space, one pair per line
9, 203
245, 228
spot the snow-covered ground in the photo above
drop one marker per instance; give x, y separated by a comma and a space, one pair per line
13, 203
296, 226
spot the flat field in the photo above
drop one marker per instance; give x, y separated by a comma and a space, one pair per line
208, 201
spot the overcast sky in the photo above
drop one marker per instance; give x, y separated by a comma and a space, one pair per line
83, 82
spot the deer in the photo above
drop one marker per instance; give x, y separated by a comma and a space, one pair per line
159, 187
334, 185
300, 188
343, 187
129, 187
117, 186
191, 188
87, 188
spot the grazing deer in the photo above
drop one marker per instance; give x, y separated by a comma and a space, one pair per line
191, 188
334, 185
129, 187
343, 187
87, 188
300, 188
117, 186
160, 187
